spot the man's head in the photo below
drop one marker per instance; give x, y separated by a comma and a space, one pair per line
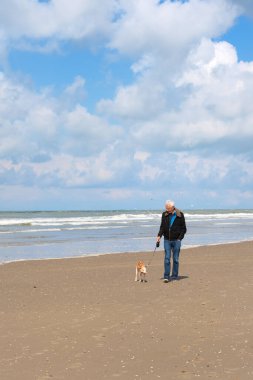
170, 206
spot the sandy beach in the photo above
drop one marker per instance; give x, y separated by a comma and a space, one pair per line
86, 318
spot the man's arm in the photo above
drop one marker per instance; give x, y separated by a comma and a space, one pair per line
183, 227
161, 230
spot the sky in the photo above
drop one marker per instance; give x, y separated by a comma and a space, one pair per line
123, 104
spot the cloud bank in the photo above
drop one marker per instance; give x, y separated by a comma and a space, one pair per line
181, 129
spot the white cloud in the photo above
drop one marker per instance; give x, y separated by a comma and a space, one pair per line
141, 156
168, 28
137, 101
36, 126
86, 134
204, 59
212, 103
58, 18
246, 6
76, 88
128, 26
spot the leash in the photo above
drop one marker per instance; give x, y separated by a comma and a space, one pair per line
152, 254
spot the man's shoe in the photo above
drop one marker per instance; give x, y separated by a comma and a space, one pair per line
165, 280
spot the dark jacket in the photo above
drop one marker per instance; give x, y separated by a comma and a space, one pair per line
178, 228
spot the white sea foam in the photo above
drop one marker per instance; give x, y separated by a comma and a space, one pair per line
212, 216
75, 221
60, 229
118, 217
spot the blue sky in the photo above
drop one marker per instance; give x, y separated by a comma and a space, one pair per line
125, 103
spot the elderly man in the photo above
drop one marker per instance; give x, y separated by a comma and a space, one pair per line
173, 229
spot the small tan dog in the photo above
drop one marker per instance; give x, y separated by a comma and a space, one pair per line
141, 271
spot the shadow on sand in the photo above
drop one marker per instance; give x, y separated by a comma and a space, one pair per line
179, 278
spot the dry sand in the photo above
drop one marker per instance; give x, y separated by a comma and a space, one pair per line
86, 318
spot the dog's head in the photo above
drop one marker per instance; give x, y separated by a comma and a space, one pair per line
141, 267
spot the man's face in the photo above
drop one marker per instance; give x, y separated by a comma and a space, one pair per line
169, 208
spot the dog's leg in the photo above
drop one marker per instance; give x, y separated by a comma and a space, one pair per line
136, 274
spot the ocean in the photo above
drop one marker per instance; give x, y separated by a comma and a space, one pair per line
60, 234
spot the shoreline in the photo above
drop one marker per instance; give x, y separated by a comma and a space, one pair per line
123, 253
81, 234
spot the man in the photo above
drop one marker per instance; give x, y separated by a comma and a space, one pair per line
173, 229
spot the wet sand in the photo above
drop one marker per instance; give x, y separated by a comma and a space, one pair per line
86, 318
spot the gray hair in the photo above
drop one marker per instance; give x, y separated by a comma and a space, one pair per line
170, 203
